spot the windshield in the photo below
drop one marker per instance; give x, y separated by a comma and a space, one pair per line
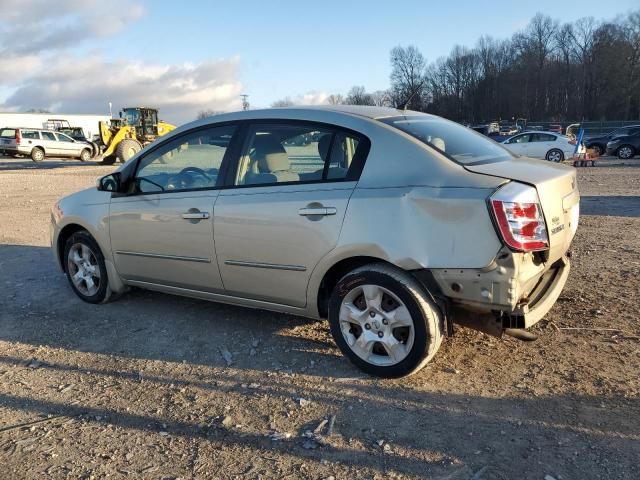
131, 116
460, 144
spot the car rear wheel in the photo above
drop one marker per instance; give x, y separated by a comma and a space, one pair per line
37, 154
384, 321
85, 268
555, 155
625, 152
85, 155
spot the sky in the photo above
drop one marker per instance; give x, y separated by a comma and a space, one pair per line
76, 56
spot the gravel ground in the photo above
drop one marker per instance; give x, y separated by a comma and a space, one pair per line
155, 386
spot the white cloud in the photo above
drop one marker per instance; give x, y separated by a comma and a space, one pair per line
36, 75
179, 91
312, 98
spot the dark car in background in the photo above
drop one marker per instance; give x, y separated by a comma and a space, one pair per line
624, 146
600, 142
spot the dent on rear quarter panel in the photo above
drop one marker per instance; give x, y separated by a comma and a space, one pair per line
422, 227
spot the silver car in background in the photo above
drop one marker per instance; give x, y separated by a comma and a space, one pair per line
40, 143
392, 224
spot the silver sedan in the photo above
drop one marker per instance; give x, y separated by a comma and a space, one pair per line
393, 225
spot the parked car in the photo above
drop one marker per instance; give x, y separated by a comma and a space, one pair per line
547, 145
600, 142
392, 224
508, 130
39, 144
624, 146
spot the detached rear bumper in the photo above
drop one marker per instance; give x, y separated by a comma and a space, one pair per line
541, 299
511, 293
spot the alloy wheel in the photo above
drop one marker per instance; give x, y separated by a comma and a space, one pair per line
376, 325
84, 270
625, 152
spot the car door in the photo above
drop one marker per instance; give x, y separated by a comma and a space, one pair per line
68, 146
162, 230
519, 144
541, 143
50, 144
283, 207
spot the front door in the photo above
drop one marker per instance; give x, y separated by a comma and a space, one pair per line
285, 209
162, 231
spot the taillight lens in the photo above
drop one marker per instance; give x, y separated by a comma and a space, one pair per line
18, 138
521, 225
573, 142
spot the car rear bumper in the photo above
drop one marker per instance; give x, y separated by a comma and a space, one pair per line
513, 292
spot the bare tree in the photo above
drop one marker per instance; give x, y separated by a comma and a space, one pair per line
285, 102
335, 99
207, 113
408, 77
358, 96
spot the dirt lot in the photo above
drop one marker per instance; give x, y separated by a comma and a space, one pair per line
154, 386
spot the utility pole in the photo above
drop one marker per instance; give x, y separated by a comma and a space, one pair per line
245, 102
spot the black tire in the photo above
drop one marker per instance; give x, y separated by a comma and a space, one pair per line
37, 154
555, 155
103, 292
110, 160
426, 317
626, 152
126, 149
95, 150
85, 155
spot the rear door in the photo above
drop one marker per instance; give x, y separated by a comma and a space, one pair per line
50, 144
541, 143
162, 231
283, 207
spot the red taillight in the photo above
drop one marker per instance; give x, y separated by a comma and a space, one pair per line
573, 142
521, 225
18, 138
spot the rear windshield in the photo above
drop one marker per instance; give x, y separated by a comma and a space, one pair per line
8, 133
460, 144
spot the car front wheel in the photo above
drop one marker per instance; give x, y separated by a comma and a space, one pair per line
626, 152
85, 268
384, 321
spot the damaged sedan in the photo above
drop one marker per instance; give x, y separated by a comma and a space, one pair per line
394, 225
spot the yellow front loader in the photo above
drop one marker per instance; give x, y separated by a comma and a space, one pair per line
125, 136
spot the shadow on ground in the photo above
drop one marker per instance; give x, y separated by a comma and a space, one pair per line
610, 205
432, 431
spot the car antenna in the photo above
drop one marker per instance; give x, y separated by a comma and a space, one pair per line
403, 106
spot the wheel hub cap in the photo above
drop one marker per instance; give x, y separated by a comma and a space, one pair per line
83, 269
376, 325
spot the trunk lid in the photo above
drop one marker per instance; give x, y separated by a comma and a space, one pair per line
558, 192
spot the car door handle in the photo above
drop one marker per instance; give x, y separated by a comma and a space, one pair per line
310, 211
195, 215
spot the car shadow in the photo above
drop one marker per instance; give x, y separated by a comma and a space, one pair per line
610, 205
21, 164
186, 348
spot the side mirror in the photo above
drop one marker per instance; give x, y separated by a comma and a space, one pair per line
109, 183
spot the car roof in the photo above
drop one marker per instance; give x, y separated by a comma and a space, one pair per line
360, 110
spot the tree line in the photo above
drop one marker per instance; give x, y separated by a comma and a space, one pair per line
583, 70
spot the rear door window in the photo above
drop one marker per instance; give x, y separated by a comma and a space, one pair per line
49, 136
298, 153
543, 137
30, 134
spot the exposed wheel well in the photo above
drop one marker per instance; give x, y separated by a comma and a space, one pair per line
333, 276
62, 240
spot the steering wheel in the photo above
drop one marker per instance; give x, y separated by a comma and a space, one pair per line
186, 179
